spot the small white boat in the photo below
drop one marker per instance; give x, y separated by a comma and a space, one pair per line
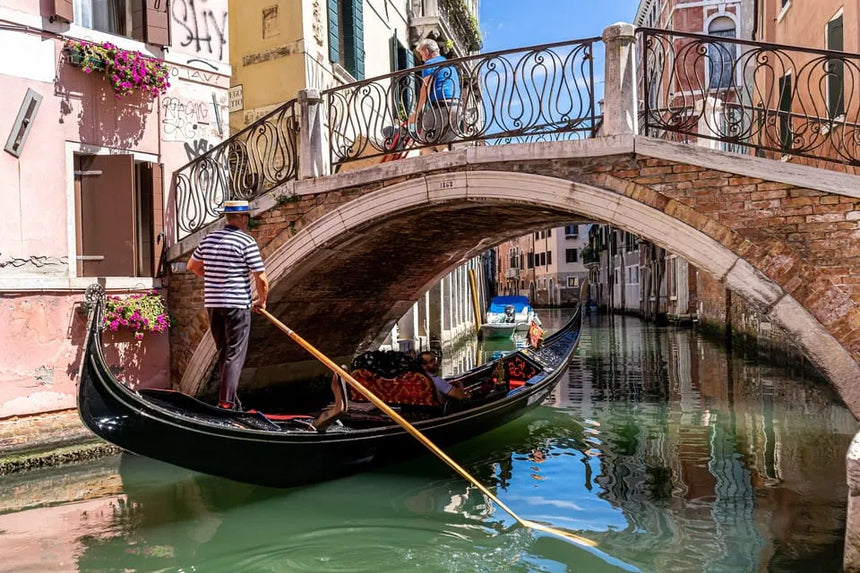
507, 315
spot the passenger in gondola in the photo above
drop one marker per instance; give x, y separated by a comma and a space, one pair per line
227, 259
445, 389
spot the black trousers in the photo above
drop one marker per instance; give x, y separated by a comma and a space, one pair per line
230, 328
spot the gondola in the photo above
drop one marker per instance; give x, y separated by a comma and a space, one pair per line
280, 450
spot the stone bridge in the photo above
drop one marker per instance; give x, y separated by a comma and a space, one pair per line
348, 253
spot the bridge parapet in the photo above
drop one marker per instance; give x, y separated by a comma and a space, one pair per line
771, 100
752, 98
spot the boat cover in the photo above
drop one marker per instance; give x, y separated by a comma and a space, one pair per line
499, 303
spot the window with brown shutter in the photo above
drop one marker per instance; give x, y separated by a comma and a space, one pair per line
62, 10
118, 214
144, 20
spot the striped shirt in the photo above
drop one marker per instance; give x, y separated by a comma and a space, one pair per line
228, 256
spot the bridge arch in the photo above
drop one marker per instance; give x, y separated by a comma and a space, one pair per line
461, 197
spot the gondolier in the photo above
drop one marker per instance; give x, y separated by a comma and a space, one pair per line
227, 259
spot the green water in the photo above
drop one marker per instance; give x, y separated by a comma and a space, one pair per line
666, 451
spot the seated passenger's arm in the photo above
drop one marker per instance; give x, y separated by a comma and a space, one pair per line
457, 391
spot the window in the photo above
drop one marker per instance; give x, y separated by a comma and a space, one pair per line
571, 230
549, 257
109, 16
721, 55
785, 94
835, 70
629, 242
403, 59
572, 282
522, 261
543, 259
571, 256
346, 35
531, 260
145, 20
118, 216
549, 233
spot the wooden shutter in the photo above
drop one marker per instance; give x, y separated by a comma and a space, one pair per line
107, 230
353, 37
157, 178
62, 10
150, 219
835, 69
156, 22
333, 32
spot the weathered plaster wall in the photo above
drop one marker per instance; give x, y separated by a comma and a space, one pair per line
39, 290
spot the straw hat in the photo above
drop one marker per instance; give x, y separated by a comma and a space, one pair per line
236, 207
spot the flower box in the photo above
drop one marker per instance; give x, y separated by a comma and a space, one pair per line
127, 71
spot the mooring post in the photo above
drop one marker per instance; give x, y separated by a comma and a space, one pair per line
851, 557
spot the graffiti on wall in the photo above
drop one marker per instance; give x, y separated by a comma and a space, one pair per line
200, 27
184, 119
196, 148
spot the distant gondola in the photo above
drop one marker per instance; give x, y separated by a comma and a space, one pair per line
286, 451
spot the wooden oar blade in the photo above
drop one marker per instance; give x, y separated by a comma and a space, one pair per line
559, 533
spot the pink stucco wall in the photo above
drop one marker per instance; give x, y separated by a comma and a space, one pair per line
42, 341
41, 331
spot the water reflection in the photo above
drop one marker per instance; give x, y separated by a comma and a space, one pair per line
721, 463
671, 454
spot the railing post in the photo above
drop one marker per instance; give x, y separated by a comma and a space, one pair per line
710, 113
311, 149
620, 108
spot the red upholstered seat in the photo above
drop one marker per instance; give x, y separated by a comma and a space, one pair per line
407, 389
518, 368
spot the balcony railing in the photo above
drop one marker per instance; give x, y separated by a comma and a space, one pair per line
750, 97
249, 163
538, 93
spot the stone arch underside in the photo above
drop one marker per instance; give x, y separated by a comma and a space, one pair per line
350, 274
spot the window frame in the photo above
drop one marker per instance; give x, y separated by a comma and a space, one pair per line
72, 280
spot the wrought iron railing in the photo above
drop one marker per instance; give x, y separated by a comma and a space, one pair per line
249, 163
527, 94
769, 99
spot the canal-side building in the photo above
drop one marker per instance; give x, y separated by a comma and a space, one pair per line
545, 265
87, 153
627, 274
815, 88
556, 257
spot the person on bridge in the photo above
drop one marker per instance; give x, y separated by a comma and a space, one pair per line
438, 100
226, 259
430, 363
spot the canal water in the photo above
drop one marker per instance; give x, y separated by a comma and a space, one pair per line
667, 451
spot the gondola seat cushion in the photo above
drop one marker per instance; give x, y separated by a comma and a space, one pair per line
406, 389
518, 370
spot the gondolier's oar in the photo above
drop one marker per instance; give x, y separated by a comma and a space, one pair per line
418, 435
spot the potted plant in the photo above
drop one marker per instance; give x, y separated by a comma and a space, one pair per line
126, 70
139, 312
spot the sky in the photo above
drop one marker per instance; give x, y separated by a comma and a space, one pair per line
516, 23
507, 24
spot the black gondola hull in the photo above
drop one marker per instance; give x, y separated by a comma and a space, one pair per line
279, 459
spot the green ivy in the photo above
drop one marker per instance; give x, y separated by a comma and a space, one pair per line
465, 23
